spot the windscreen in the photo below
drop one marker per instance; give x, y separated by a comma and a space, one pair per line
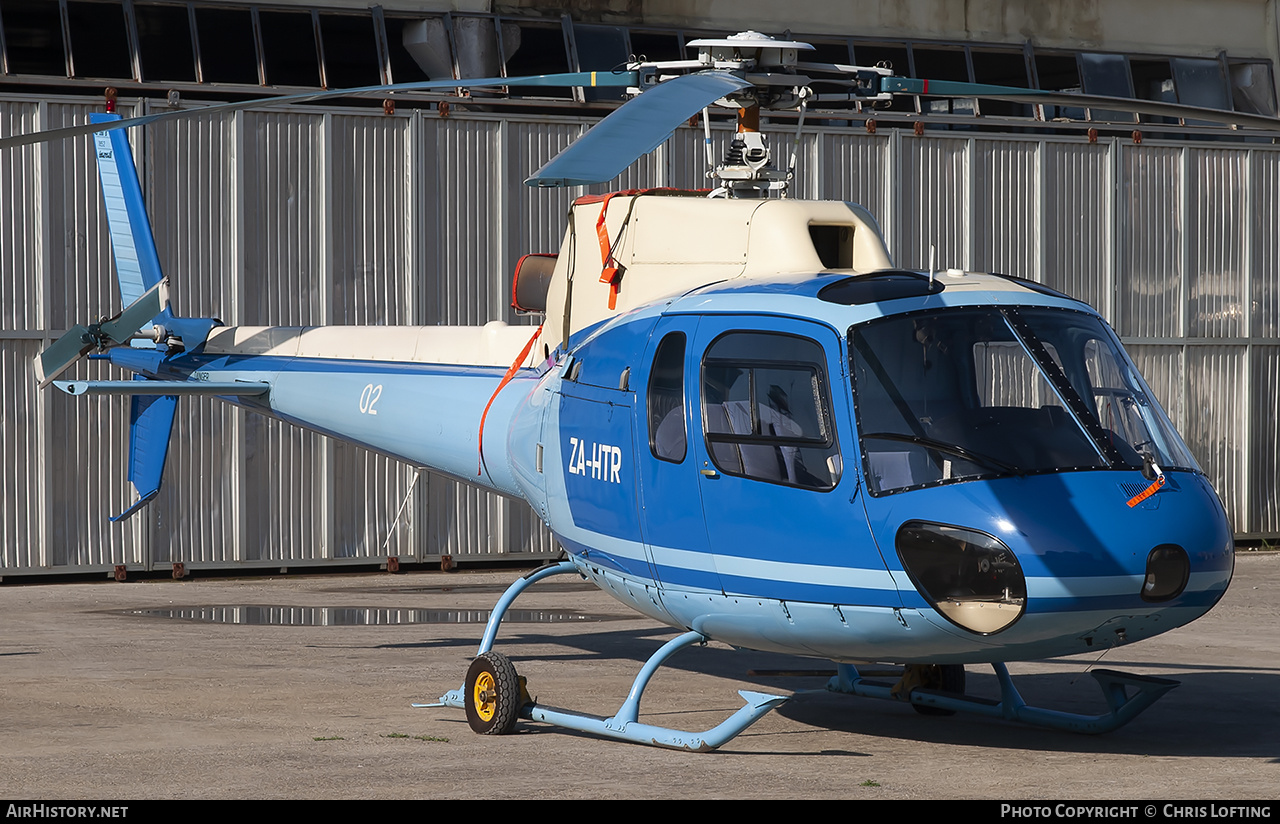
978, 392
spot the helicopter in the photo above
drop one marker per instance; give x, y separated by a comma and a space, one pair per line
739, 417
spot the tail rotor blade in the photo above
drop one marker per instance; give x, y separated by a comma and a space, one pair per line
74, 344
78, 341
123, 326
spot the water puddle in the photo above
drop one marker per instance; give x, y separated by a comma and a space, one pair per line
283, 616
472, 589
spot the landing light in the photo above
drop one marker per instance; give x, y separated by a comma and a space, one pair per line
1168, 569
972, 579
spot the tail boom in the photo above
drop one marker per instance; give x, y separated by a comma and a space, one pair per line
416, 394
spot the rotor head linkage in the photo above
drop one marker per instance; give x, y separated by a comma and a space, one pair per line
748, 169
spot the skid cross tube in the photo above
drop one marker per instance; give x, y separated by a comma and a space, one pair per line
1116, 688
623, 725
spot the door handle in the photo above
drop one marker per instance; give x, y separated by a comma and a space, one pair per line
709, 472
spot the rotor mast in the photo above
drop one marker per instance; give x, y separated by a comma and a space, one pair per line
748, 169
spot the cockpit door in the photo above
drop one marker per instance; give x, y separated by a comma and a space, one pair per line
773, 437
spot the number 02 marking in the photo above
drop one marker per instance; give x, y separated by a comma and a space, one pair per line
369, 397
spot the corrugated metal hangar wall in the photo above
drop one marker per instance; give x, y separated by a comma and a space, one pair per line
316, 217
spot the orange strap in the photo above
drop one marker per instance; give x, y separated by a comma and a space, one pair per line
1148, 492
515, 367
610, 272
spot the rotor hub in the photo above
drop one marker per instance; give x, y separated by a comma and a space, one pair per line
749, 50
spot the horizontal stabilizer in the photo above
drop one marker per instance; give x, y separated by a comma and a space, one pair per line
149, 387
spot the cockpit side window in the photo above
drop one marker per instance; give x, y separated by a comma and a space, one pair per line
766, 410
667, 438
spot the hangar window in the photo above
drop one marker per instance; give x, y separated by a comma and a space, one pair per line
538, 49
289, 51
1105, 74
766, 410
657, 45
1108, 75
419, 49
350, 51
228, 46
99, 40
1058, 73
164, 42
1201, 82
600, 49
33, 37
1152, 80
1001, 68
942, 64
1253, 88
826, 51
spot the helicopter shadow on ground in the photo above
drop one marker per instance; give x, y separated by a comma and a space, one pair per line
1205, 717
1218, 713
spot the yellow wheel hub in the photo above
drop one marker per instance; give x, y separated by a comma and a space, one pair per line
483, 697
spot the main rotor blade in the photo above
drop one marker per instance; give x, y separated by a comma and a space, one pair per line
565, 79
635, 129
951, 88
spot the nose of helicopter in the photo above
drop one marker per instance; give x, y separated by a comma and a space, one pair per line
1060, 563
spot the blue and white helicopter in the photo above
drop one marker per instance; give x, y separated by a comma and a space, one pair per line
741, 420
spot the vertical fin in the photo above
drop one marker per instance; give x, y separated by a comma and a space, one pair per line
150, 424
137, 263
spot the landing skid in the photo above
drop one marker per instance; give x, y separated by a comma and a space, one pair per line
1127, 695
490, 692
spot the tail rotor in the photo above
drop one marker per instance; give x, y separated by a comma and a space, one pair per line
80, 340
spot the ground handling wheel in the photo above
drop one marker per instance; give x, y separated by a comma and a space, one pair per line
493, 694
943, 678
